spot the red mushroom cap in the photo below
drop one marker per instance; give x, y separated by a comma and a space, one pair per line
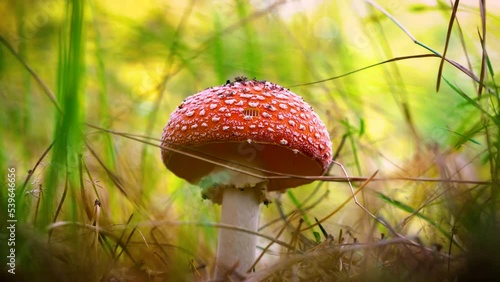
256, 124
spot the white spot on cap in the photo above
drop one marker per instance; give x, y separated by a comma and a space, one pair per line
213, 106
202, 112
204, 125
270, 129
225, 128
302, 116
291, 122
252, 126
295, 151
280, 116
194, 126
247, 118
246, 96
283, 106
249, 141
283, 142
240, 103
253, 104
228, 114
239, 127
257, 88
293, 111
215, 118
190, 113
184, 128
260, 97
266, 115
302, 127
317, 135
222, 109
230, 101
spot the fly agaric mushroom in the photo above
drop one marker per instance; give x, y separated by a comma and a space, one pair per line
255, 128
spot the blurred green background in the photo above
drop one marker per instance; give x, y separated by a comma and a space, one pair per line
92, 83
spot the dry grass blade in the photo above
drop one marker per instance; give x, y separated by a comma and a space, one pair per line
97, 218
482, 39
83, 195
296, 210
277, 175
63, 197
40, 82
448, 35
280, 232
153, 224
287, 262
365, 68
341, 206
455, 64
129, 238
32, 170
116, 180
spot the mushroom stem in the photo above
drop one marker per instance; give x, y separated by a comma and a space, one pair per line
236, 250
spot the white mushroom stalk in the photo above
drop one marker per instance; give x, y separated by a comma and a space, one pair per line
241, 198
236, 249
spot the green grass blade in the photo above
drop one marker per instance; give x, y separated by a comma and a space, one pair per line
67, 134
404, 207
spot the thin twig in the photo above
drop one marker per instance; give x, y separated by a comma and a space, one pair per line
40, 82
482, 37
277, 175
448, 36
61, 224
